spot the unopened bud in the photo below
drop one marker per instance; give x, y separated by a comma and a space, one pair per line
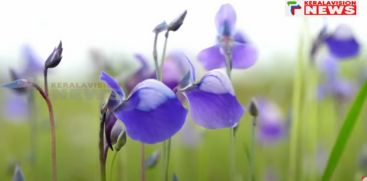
121, 141
253, 109
18, 174
55, 57
176, 23
160, 27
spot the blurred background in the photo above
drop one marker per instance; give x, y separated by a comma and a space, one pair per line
115, 31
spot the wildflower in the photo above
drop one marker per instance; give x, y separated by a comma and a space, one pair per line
229, 43
342, 44
151, 113
16, 106
212, 101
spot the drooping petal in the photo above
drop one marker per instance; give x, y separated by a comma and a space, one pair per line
213, 103
152, 113
243, 55
113, 84
212, 58
342, 43
225, 20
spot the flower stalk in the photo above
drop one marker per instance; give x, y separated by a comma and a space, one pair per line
52, 128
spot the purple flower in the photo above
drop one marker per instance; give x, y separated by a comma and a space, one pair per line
151, 113
271, 123
16, 106
243, 54
213, 103
342, 44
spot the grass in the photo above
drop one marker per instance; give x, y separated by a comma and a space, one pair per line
345, 132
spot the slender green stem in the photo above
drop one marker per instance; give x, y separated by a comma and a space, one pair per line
167, 152
53, 130
163, 57
33, 134
45, 81
232, 147
295, 126
142, 165
102, 158
112, 164
232, 154
228, 58
166, 146
155, 57
253, 150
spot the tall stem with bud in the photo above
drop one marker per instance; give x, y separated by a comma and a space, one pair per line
164, 27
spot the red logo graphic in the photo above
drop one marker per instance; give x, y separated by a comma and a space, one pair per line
330, 7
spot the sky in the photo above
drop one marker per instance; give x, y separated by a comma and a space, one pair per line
125, 27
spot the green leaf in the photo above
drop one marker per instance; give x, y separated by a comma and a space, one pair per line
345, 132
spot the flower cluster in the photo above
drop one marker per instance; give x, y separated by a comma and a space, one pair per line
342, 45
153, 111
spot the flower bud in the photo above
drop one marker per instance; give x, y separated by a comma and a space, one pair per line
55, 57
121, 141
176, 23
160, 27
18, 174
253, 109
